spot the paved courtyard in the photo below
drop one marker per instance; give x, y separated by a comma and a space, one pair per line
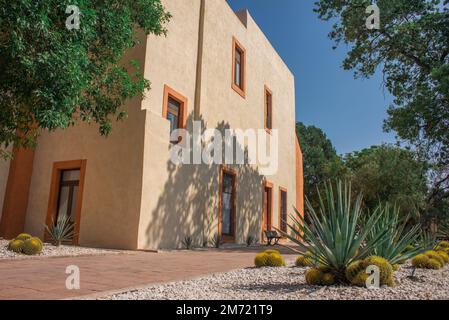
45, 278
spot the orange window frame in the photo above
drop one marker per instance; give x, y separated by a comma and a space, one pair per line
267, 185
233, 172
171, 93
268, 108
58, 168
241, 90
283, 190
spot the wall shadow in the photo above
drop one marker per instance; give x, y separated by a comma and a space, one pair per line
188, 204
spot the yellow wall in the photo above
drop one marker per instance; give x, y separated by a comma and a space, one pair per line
134, 197
112, 190
180, 201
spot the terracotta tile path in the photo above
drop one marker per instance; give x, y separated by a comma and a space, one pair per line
44, 278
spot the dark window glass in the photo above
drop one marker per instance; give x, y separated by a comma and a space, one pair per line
173, 114
283, 211
238, 68
227, 207
68, 193
268, 110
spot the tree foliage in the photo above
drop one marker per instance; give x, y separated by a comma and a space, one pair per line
411, 48
320, 160
389, 174
51, 76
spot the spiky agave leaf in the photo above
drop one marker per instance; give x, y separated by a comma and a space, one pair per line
334, 235
398, 239
62, 230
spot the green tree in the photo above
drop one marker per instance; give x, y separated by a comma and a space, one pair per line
411, 48
389, 174
51, 76
320, 159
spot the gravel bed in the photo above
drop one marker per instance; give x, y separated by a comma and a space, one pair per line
289, 284
52, 251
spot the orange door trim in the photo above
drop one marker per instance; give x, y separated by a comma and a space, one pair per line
58, 167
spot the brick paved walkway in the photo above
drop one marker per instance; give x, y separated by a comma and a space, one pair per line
45, 278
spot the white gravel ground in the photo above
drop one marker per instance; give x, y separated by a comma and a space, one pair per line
52, 251
289, 284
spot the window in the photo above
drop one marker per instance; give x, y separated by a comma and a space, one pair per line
267, 208
227, 204
268, 109
66, 193
238, 68
174, 109
283, 209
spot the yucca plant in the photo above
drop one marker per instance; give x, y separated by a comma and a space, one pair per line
61, 231
250, 240
398, 244
334, 235
188, 243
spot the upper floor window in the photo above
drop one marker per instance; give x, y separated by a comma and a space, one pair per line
174, 109
238, 68
173, 114
268, 109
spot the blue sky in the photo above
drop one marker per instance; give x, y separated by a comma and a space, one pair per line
350, 111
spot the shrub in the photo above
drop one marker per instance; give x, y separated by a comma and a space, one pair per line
16, 245
32, 246
269, 258
334, 233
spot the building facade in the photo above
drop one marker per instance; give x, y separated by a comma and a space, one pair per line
215, 68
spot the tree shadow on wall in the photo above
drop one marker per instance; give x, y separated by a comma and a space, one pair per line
188, 203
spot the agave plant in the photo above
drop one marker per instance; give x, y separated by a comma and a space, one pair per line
443, 230
61, 231
188, 243
398, 246
334, 235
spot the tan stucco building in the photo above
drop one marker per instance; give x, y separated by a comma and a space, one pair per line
215, 66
